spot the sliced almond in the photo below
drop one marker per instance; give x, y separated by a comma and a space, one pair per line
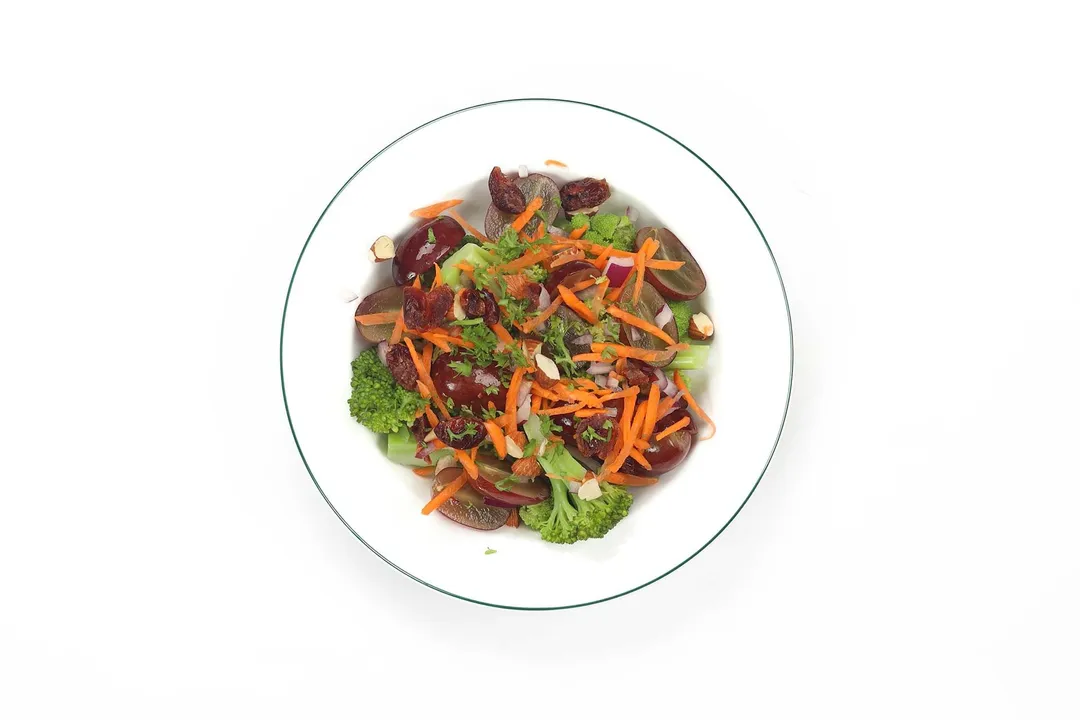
382, 249
459, 312
701, 327
590, 490
430, 436
513, 449
547, 366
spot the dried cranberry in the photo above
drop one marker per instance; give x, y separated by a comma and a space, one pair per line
420, 428
491, 308
461, 432
596, 436
531, 293
473, 303
584, 193
439, 301
637, 376
505, 195
401, 366
414, 308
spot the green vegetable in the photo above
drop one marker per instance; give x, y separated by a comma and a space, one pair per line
470, 240
555, 339
609, 229
489, 551
475, 255
682, 312
566, 518
401, 448
696, 357
377, 401
430, 236
536, 273
461, 367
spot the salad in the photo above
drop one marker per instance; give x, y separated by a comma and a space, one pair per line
533, 372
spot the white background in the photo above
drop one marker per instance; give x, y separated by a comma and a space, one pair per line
912, 550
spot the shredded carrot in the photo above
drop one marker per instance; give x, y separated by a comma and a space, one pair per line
630, 391
629, 402
512, 392
416, 282
586, 384
614, 294
665, 405
436, 340
535, 404
588, 357
501, 333
642, 444
602, 258
452, 339
576, 233
561, 410
636, 454
574, 303
585, 397
425, 378
513, 520
523, 219
617, 478
681, 384
542, 393
526, 260
438, 276
639, 266
541, 231
464, 266
627, 443
466, 460
468, 228
650, 414
664, 264
637, 353
425, 471
429, 351
445, 494
589, 412
431, 415
637, 322
432, 211
381, 318
556, 163
673, 427
420, 413
498, 439
531, 324
399, 327
566, 256
586, 283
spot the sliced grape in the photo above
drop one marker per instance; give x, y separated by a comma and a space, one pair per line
535, 185
687, 282
492, 470
386, 300
646, 308
428, 243
467, 507
558, 275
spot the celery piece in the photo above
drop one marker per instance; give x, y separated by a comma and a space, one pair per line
696, 357
475, 255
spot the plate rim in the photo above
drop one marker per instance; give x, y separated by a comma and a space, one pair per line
787, 310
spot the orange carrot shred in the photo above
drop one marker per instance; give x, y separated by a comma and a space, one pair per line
639, 266
498, 439
641, 444
530, 258
502, 333
425, 378
574, 303
425, 471
535, 404
556, 163
589, 412
628, 392
381, 318
562, 410
512, 392
576, 233
523, 219
531, 324
399, 327
631, 319
445, 494
588, 357
650, 414
602, 258
436, 340
432, 211
430, 415
636, 353
617, 478
636, 454
541, 392
674, 427
438, 276
466, 460
429, 351
679, 383
664, 264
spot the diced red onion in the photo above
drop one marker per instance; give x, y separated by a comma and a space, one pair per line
523, 171
670, 389
600, 368
600, 380
631, 213
612, 383
585, 339
557, 232
384, 348
425, 450
523, 392
611, 412
618, 269
635, 334
664, 316
545, 299
524, 411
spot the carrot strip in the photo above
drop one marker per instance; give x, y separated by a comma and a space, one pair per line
628, 392
498, 439
531, 324
523, 219
636, 454
468, 228
425, 471
641, 444
586, 384
576, 233
679, 383
464, 266
535, 404
426, 378
577, 306
466, 460
436, 340
602, 258
587, 398
420, 413
512, 392
587, 282
674, 427
589, 412
617, 478
513, 520
416, 282
429, 351
613, 295
382, 318
629, 402
627, 445
431, 415
438, 276
665, 405
454, 340
541, 230
542, 393
650, 414
562, 410
556, 163
431, 211
637, 353
664, 264
637, 322
399, 327
445, 494
501, 333
639, 265
526, 260
588, 357
566, 256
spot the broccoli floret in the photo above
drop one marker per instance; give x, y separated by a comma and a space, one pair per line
566, 518
609, 229
682, 312
579, 221
377, 401
536, 273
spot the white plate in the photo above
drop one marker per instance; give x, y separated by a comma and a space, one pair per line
745, 389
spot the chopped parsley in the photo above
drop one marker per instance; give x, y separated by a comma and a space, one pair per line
591, 433
508, 482
430, 236
469, 431
516, 309
536, 273
548, 426
491, 413
555, 340
489, 551
449, 403
493, 390
609, 353
461, 367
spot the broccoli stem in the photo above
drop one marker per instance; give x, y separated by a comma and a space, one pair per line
694, 358
401, 449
